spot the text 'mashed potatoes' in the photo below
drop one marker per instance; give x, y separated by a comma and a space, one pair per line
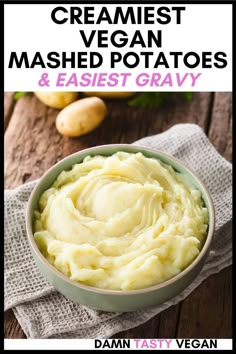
57, 99
81, 117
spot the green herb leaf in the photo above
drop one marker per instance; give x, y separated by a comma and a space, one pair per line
155, 99
148, 99
188, 96
19, 95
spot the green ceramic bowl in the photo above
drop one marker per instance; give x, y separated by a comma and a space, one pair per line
113, 300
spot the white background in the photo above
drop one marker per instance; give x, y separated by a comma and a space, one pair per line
203, 28
89, 344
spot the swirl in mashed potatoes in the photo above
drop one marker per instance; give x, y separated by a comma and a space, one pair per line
121, 222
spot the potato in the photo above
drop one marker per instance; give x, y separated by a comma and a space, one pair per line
57, 99
108, 94
81, 117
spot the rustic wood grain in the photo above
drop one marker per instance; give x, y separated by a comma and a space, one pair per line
12, 329
207, 311
9, 104
32, 145
169, 321
220, 129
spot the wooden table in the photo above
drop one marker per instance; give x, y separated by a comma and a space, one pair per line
32, 145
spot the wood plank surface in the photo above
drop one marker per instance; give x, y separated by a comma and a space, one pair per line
9, 104
32, 145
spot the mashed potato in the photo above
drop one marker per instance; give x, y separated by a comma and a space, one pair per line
121, 222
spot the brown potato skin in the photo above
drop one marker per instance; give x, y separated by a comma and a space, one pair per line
81, 117
57, 100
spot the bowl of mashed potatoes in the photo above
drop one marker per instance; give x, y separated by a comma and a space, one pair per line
120, 227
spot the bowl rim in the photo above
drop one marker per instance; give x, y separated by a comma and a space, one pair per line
87, 151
